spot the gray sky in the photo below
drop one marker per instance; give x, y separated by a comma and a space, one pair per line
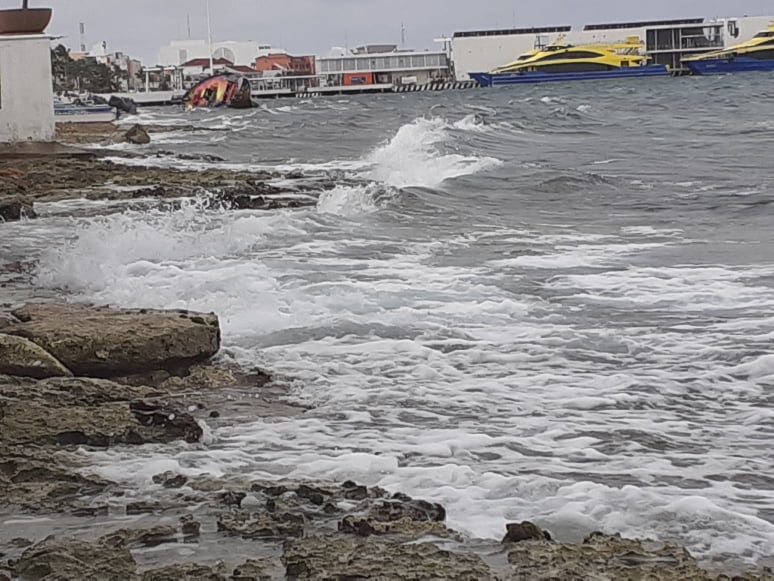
140, 27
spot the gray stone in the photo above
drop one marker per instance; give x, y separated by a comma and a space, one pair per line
22, 357
106, 342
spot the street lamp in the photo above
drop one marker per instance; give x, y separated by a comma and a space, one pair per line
209, 36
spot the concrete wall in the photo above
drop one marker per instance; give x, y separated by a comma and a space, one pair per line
26, 94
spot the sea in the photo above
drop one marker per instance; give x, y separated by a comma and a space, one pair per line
551, 303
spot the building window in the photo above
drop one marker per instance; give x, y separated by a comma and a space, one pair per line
182, 55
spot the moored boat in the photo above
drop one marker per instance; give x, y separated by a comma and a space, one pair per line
84, 113
567, 62
757, 54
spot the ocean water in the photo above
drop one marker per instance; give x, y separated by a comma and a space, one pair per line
552, 303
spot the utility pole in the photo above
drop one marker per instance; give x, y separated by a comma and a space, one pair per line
209, 37
188, 16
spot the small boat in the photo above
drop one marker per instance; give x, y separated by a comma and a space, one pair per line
567, 62
757, 54
224, 90
78, 112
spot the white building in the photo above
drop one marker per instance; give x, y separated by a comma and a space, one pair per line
383, 65
26, 103
665, 40
178, 52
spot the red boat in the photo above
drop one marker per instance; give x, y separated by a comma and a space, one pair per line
224, 90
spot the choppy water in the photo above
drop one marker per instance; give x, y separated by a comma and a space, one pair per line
551, 303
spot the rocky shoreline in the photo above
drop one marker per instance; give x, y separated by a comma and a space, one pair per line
77, 378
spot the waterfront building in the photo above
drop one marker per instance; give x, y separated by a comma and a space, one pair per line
281, 63
382, 65
666, 41
178, 52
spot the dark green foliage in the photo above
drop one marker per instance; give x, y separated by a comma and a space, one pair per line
83, 75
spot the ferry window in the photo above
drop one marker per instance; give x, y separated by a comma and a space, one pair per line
574, 68
763, 54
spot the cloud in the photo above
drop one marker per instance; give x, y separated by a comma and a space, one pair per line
141, 27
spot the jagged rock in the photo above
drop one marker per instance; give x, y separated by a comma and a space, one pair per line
525, 531
366, 527
186, 572
164, 425
604, 557
152, 537
27, 422
261, 525
15, 208
35, 479
353, 491
6, 320
124, 104
94, 412
170, 480
318, 558
70, 559
137, 135
105, 342
20, 356
72, 391
256, 570
190, 527
401, 506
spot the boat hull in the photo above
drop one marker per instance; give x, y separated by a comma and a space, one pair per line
84, 114
495, 79
721, 66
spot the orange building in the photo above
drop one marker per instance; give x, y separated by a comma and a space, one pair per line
284, 63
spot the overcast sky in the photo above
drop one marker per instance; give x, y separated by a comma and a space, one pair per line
140, 27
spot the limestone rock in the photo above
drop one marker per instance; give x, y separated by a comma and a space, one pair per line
152, 537
256, 570
105, 342
73, 559
525, 531
262, 525
604, 557
186, 572
37, 479
15, 208
20, 356
92, 412
401, 506
137, 135
320, 558
406, 527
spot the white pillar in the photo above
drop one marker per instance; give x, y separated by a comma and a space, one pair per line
26, 89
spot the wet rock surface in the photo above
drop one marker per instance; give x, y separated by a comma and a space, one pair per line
74, 559
181, 524
13, 206
22, 357
356, 559
106, 342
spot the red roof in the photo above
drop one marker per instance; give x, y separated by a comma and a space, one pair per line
241, 69
206, 62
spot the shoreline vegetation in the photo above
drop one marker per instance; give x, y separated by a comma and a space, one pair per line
89, 376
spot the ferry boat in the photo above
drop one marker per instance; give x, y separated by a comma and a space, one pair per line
567, 62
757, 54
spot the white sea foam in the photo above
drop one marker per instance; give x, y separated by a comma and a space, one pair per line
565, 373
415, 156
